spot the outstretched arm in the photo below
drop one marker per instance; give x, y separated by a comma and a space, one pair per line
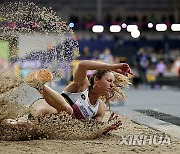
80, 73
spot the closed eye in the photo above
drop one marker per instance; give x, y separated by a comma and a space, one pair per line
109, 80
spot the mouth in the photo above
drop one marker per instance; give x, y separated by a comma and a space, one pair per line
109, 89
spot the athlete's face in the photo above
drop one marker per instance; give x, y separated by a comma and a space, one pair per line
106, 83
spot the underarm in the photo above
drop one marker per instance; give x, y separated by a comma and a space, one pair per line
101, 112
99, 118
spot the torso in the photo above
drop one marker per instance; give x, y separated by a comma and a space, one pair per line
82, 107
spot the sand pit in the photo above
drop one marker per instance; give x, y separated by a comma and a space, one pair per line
63, 134
110, 143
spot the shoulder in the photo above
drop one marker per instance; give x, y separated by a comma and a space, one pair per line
101, 103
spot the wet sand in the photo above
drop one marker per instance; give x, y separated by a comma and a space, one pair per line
110, 143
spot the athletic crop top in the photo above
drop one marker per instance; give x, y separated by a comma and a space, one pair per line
82, 109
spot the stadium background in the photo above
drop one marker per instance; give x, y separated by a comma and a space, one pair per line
82, 15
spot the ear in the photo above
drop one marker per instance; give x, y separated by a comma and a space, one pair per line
95, 80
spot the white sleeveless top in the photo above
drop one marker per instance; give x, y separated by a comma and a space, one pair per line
82, 109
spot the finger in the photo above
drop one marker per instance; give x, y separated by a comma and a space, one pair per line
126, 66
111, 117
112, 114
120, 71
119, 119
130, 72
115, 117
118, 123
123, 73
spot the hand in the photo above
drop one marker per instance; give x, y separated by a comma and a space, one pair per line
116, 122
122, 68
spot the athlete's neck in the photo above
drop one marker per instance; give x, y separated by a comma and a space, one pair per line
93, 97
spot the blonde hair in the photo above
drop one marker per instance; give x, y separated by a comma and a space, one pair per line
121, 81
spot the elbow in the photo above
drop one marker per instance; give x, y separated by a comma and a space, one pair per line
82, 64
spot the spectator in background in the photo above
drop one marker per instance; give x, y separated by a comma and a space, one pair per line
117, 60
160, 68
142, 63
96, 55
176, 66
107, 57
86, 55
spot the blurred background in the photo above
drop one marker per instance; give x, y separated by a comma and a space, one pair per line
145, 34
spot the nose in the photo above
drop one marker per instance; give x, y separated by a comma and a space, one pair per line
112, 84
